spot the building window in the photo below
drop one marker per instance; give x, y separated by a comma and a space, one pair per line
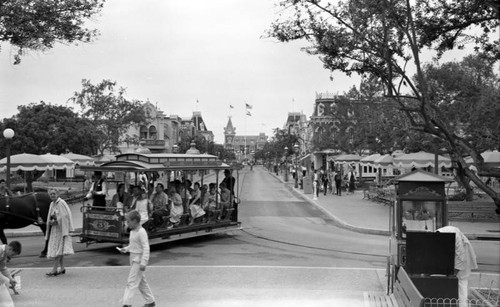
143, 133
152, 133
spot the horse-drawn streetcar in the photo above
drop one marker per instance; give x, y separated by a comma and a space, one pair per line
108, 224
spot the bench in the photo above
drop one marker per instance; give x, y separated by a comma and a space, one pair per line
379, 299
406, 293
474, 211
370, 193
378, 194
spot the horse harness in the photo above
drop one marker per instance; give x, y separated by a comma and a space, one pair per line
6, 209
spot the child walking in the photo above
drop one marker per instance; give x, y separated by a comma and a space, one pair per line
139, 256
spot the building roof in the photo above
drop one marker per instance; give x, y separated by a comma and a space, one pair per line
421, 175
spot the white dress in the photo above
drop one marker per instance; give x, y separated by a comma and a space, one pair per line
60, 242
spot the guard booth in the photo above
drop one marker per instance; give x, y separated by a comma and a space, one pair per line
421, 262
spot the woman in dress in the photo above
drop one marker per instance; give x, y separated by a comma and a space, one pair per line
176, 209
60, 223
195, 208
121, 200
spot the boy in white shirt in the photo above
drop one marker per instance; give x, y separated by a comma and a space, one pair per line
139, 256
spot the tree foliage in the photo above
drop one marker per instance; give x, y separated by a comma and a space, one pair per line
110, 113
38, 25
281, 145
44, 128
384, 39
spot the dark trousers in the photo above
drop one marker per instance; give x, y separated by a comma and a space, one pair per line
99, 203
338, 187
158, 216
325, 187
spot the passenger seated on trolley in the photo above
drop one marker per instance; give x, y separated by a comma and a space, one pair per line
226, 200
159, 201
209, 201
195, 209
122, 199
141, 203
176, 209
204, 196
182, 188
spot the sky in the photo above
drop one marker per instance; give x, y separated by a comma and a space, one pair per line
175, 53
182, 56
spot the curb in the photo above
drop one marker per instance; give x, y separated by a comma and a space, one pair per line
338, 222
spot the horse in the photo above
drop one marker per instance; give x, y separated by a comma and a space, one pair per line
23, 210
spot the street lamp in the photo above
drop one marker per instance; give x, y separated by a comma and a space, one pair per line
8, 135
286, 163
296, 151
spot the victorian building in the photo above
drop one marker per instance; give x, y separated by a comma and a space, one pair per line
242, 145
162, 133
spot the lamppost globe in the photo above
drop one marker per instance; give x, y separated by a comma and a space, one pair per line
8, 133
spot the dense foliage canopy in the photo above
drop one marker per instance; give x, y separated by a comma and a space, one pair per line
39, 25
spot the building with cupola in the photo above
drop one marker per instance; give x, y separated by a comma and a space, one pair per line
242, 145
162, 133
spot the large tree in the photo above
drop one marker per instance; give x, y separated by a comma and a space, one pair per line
385, 39
110, 113
38, 25
44, 128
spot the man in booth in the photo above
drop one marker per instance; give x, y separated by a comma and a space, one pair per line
465, 261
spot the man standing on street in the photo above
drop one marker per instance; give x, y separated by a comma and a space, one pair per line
465, 261
315, 185
338, 183
229, 181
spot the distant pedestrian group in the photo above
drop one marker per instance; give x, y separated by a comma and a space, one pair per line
333, 181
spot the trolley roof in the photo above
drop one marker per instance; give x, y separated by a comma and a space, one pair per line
137, 162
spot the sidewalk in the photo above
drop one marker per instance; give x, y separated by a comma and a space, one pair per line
352, 212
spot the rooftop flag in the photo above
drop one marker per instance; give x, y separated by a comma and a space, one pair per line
248, 106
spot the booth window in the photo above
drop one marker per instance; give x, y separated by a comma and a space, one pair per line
421, 216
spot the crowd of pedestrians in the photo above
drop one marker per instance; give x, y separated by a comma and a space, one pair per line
333, 181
